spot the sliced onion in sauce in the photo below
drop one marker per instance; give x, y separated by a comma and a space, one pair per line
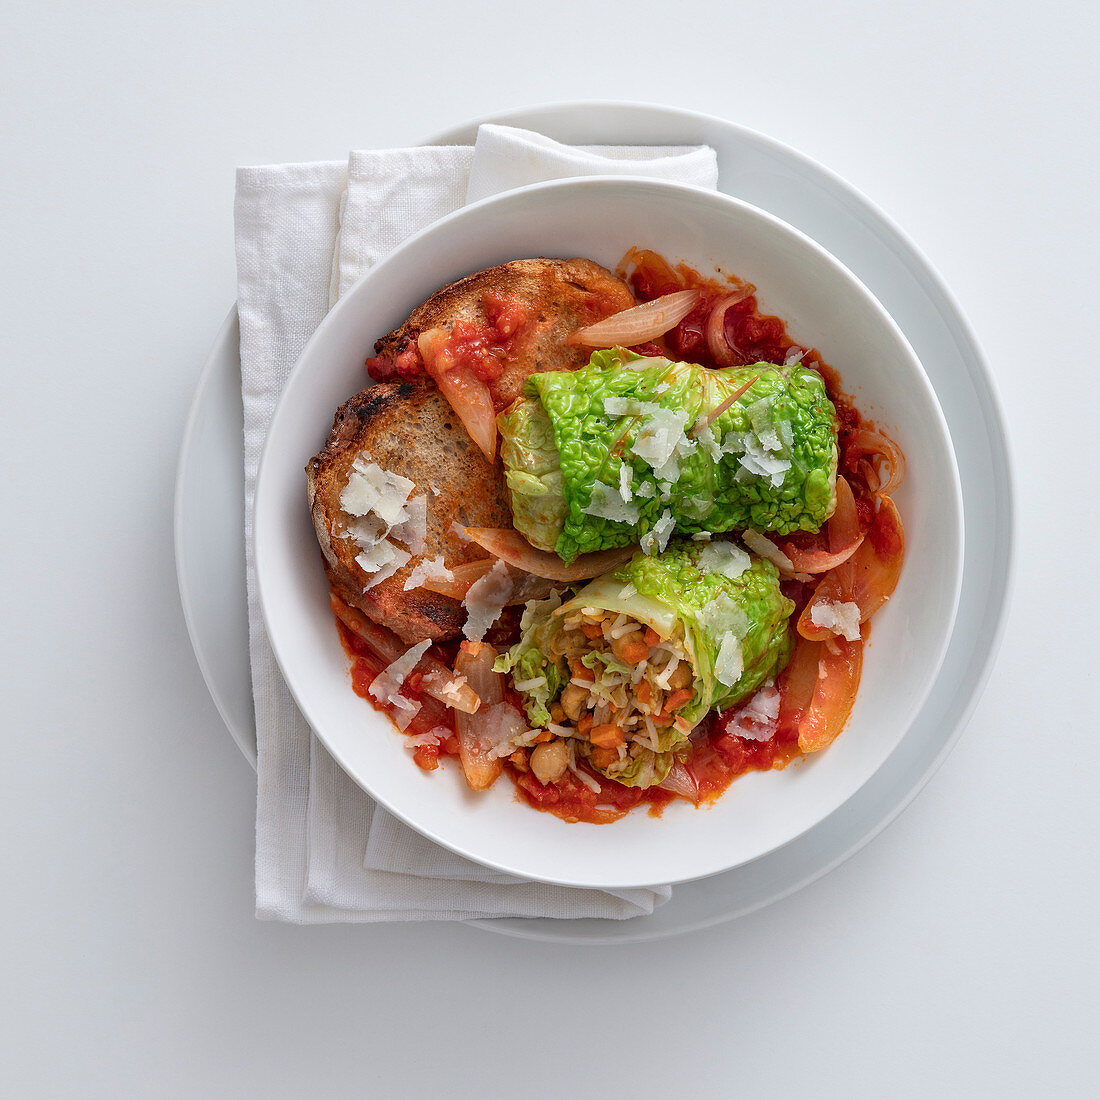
511, 547
868, 578
843, 533
838, 671
640, 323
525, 586
865, 443
475, 662
721, 350
388, 647
681, 782
466, 393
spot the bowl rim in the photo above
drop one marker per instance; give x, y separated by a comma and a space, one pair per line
473, 210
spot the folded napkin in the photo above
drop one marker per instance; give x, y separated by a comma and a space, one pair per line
305, 233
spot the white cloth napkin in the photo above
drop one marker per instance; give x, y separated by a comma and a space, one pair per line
304, 234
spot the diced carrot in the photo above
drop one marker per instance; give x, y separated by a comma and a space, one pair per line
651, 636
584, 723
677, 699
634, 652
546, 735
644, 692
580, 672
592, 630
607, 736
604, 758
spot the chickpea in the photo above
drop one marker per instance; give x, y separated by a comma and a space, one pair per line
572, 700
549, 761
618, 645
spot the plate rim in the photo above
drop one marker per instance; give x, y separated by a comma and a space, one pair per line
961, 334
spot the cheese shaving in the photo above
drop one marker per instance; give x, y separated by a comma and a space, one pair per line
412, 530
486, 600
429, 569
758, 544
624, 482
387, 684
374, 557
659, 536
372, 489
730, 662
401, 558
725, 558
607, 504
758, 718
840, 618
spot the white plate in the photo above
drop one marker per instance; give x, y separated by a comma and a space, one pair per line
778, 179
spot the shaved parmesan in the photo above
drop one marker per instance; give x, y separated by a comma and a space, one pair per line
433, 737
367, 530
412, 529
755, 459
661, 442
705, 438
378, 502
626, 406
760, 414
624, 482
725, 558
372, 489
386, 686
723, 615
646, 489
430, 569
607, 504
404, 711
758, 718
485, 601
660, 534
730, 662
374, 557
786, 433
840, 618
758, 544
498, 727
400, 559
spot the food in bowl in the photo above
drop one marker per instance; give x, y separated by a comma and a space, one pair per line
615, 536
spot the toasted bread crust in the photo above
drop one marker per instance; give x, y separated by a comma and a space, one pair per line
561, 295
409, 430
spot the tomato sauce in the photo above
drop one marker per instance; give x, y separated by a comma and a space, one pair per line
720, 754
481, 348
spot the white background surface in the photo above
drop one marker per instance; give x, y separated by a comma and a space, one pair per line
956, 955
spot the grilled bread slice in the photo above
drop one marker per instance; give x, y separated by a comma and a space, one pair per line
557, 297
408, 430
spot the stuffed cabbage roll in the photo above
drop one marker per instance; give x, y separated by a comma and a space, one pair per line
625, 669
631, 449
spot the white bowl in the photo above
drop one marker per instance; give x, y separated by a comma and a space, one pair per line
826, 307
